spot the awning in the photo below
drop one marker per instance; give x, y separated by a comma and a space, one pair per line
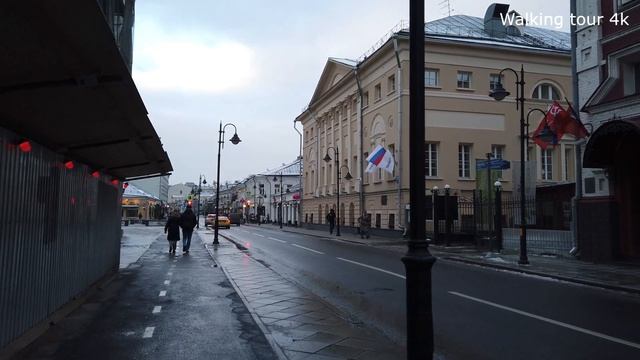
65, 85
606, 142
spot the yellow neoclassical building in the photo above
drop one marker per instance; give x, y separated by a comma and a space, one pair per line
358, 104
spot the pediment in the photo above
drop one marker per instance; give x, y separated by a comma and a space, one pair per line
334, 71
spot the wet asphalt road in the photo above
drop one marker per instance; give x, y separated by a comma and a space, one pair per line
479, 313
160, 307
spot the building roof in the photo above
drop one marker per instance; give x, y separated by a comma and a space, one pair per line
348, 62
472, 29
292, 168
132, 191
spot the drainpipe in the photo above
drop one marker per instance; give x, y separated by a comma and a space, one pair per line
399, 126
300, 179
578, 145
360, 118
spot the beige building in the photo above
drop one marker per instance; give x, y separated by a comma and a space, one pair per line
360, 104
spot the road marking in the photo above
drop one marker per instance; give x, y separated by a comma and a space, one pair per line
257, 234
373, 268
163, 293
306, 248
167, 282
282, 241
551, 321
148, 332
156, 309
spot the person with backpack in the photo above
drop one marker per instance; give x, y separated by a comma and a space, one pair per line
187, 223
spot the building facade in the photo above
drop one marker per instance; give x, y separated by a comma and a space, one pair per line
358, 105
156, 186
609, 87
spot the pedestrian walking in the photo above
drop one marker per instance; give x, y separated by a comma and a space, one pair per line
187, 223
365, 225
331, 219
172, 229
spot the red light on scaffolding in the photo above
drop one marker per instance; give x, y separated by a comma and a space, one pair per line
69, 165
115, 182
96, 174
25, 146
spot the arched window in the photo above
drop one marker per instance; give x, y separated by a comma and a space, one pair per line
546, 91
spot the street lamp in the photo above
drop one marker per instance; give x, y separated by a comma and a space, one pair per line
418, 261
201, 181
347, 177
499, 93
235, 140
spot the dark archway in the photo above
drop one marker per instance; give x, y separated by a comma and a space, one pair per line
615, 146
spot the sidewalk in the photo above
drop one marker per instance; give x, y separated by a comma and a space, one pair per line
300, 324
161, 306
615, 276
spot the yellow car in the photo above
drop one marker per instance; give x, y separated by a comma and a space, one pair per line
223, 221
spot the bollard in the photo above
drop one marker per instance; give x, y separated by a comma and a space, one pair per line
436, 221
447, 215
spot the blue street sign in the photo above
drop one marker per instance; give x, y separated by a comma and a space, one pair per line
495, 164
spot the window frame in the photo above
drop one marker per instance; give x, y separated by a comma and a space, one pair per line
437, 78
537, 92
460, 81
546, 163
464, 160
431, 148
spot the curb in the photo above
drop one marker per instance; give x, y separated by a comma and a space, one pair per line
267, 334
546, 275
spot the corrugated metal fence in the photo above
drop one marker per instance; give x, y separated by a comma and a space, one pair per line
59, 233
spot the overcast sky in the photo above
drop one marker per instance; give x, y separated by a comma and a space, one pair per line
255, 63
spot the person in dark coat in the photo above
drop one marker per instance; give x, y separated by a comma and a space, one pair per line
187, 223
331, 219
172, 229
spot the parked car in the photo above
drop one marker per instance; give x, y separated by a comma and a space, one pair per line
209, 220
235, 219
224, 222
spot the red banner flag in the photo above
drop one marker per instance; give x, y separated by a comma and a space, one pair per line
574, 126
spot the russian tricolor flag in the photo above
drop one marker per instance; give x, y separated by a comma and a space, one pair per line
380, 158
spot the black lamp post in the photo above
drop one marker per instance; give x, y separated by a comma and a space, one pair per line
418, 261
499, 93
347, 177
235, 140
201, 181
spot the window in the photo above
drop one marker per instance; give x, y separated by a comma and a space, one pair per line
546, 92
431, 159
431, 78
625, 3
377, 92
392, 221
378, 218
383, 200
494, 79
631, 78
464, 152
391, 83
365, 99
464, 80
261, 189
547, 164
497, 151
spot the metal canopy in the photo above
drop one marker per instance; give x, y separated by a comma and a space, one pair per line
65, 85
607, 142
